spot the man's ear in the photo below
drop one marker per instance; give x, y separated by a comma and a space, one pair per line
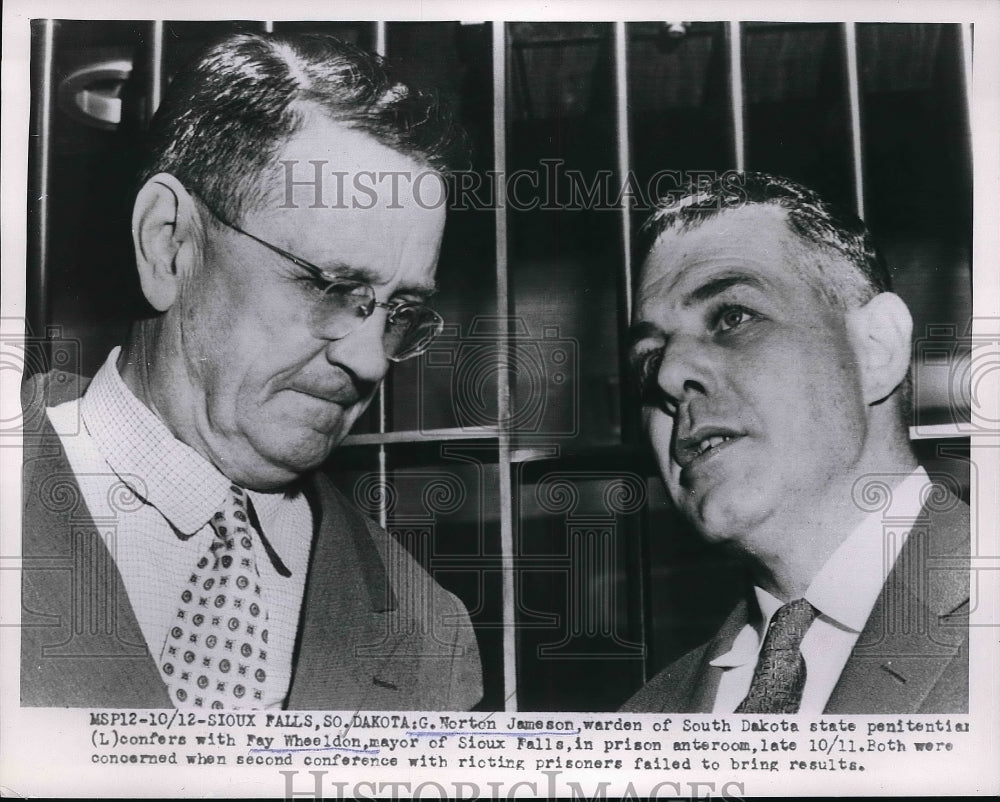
880, 332
165, 234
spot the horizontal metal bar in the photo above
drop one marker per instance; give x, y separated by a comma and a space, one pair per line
530, 453
939, 431
419, 436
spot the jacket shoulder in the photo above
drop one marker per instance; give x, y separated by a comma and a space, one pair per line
670, 690
688, 685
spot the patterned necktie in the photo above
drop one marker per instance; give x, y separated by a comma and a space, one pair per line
780, 675
215, 654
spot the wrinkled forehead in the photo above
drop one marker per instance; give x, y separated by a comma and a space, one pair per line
754, 240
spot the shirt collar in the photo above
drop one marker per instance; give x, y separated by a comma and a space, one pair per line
138, 447
748, 641
863, 561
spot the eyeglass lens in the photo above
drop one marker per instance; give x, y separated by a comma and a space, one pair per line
344, 306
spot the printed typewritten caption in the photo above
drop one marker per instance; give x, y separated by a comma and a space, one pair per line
328, 755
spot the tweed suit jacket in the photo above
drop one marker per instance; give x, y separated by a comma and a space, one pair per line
376, 632
911, 657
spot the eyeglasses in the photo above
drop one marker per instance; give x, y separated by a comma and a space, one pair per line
343, 305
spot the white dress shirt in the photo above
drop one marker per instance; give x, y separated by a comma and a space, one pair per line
844, 592
151, 498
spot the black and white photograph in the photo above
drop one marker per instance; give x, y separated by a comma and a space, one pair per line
561, 402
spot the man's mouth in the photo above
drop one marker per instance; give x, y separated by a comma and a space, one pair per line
342, 395
710, 443
703, 442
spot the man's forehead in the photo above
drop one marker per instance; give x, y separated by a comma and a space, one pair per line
752, 240
320, 136
347, 204
327, 163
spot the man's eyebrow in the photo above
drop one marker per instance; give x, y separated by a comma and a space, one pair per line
642, 330
716, 286
425, 289
342, 270
339, 270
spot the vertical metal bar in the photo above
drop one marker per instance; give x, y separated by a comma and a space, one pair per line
854, 110
733, 33
623, 135
382, 401
42, 58
269, 26
381, 41
503, 378
383, 454
155, 93
624, 157
966, 33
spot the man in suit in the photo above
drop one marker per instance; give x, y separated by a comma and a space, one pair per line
181, 547
773, 364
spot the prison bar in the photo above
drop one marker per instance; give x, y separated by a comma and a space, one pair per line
623, 132
382, 401
42, 55
620, 56
854, 113
155, 72
738, 107
505, 465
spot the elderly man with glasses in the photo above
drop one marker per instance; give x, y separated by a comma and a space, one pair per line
223, 569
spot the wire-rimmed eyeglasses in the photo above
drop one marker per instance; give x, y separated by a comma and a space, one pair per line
343, 305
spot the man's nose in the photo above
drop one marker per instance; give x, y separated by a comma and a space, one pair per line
362, 351
685, 370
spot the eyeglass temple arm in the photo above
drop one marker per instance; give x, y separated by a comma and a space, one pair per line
291, 257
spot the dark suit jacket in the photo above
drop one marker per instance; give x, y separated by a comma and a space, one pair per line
911, 657
376, 632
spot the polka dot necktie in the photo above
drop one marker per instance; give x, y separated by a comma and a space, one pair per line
780, 675
215, 655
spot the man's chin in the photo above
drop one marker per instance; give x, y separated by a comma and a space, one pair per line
720, 517
285, 462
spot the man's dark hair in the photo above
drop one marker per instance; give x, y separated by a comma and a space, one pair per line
228, 113
821, 226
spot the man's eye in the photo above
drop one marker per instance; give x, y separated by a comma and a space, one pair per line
732, 317
646, 367
403, 313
